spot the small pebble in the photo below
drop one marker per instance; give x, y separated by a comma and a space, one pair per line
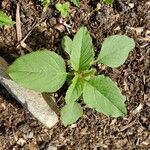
98, 6
29, 135
131, 5
21, 141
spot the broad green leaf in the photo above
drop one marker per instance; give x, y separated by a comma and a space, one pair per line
108, 1
5, 20
70, 113
115, 50
76, 2
42, 71
67, 44
102, 94
82, 52
75, 90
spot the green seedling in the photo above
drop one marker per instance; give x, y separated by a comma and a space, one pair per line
5, 20
63, 8
45, 71
76, 2
45, 3
108, 1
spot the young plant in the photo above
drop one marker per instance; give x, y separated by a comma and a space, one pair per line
45, 3
5, 20
76, 2
45, 71
63, 8
108, 1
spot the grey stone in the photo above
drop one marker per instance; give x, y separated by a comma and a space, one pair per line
32, 101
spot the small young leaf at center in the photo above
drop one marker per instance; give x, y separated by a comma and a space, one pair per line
82, 52
75, 90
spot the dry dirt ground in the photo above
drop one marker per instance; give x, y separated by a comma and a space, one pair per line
94, 131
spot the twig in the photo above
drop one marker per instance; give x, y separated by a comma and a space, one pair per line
22, 42
18, 23
28, 34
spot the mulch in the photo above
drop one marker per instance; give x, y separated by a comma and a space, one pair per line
94, 131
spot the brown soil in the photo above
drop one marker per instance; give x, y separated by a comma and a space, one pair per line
94, 131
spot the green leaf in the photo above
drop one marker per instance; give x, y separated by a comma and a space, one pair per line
102, 94
108, 1
75, 90
45, 3
63, 8
42, 71
76, 2
67, 44
58, 6
82, 52
70, 113
66, 5
115, 50
5, 20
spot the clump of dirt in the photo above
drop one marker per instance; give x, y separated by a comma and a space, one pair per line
19, 130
